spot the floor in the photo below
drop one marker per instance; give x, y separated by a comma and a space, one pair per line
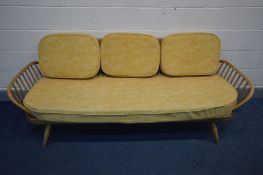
148, 149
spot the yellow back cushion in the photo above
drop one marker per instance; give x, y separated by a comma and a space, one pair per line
130, 55
190, 54
69, 55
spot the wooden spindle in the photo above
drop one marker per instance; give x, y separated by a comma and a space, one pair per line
230, 75
32, 75
233, 78
28, 78
37, 75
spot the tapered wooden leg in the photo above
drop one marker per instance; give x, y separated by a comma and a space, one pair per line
215, 132
46, 135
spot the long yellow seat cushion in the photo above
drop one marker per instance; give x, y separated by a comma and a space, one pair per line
188, 54
131, 100
69, 55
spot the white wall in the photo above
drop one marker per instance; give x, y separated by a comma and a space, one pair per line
239, 24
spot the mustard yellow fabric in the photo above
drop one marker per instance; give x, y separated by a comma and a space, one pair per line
190, 54
213, 113
130, 55
159, 95
69, 55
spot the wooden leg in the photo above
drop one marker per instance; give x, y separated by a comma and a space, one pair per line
46, 135
215, 132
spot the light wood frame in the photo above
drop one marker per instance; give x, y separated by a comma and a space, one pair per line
21, 84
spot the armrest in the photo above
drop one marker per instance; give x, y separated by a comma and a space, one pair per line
20, 85
238, 80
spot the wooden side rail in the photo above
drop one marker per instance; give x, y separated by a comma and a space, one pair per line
238, 80
22, 83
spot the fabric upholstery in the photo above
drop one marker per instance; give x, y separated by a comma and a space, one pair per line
69, 55
130, 55
220, 112
159, 97
190, 54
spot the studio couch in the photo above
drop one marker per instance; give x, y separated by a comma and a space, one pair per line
129, 78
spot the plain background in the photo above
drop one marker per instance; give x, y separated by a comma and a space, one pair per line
238, 23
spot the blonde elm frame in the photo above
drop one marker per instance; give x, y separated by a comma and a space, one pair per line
21, 84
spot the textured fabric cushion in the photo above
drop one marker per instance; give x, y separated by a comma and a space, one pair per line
190, 54
69, 55
130, 55
220, 112
160, 97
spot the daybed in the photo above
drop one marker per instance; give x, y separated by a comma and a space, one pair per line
129, 78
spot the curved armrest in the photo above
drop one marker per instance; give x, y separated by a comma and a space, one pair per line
238, 80
20, 85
